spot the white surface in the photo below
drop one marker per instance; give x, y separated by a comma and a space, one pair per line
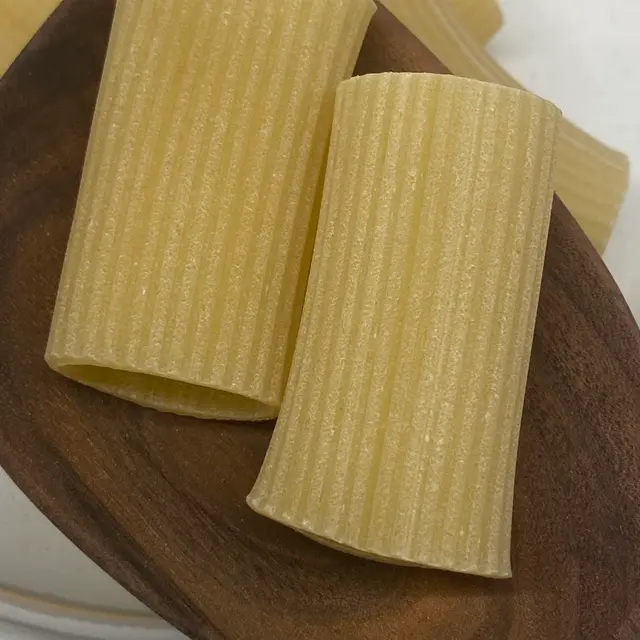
582, 54
35, 557
11, 631
48, 586
55, 622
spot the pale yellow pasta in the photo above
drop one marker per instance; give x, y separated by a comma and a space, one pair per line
482, 18
398, 433
188, 258
19, 21
591, 178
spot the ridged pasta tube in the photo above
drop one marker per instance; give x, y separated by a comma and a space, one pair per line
398, 433
592, 179
188, 258
481, 18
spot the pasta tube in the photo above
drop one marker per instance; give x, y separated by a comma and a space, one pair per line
591, 178
188, 258
481, 18
398, 433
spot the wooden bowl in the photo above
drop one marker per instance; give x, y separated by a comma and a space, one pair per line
158, 500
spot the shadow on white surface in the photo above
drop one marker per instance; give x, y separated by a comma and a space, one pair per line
48, 586
27, 623
36, 558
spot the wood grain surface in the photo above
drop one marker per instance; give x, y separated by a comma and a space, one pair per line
158, 500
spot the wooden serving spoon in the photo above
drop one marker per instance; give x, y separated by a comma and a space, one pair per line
158, 500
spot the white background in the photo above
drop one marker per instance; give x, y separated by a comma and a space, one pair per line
581, 54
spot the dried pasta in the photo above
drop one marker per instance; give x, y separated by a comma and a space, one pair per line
398, 433
481, 18
18, 23
188, 257
591, 178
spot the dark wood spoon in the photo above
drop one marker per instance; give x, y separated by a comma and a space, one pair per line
158, 500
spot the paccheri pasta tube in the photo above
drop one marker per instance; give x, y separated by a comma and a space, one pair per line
482, 18
591, 178
397, 437
188, 258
